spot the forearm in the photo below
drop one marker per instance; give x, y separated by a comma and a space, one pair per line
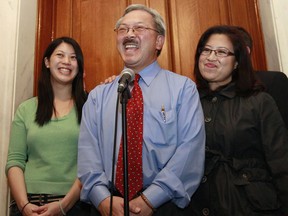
17, 186
179, 179
72, 196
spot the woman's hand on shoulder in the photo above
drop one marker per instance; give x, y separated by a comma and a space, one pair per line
109, 80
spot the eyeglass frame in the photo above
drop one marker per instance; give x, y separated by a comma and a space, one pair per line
134, 30
216, 51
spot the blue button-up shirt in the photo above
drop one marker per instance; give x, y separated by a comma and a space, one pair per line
173, 138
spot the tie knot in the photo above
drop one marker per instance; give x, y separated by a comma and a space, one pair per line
137, 77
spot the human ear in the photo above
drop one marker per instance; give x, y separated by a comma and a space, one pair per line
46, 62
160, 42
248, 49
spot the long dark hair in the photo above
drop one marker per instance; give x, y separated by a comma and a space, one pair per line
243, 75
45, 106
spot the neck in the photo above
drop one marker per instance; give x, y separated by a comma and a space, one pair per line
215, 85
62, 92
63, 102
137, 68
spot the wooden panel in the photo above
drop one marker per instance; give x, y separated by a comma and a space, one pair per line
95, 34
44, 34
63, 18
245, 13
192, 17
92, 22
184, 34
165, 59
93, 28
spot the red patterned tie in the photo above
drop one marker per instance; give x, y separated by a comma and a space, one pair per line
134, 144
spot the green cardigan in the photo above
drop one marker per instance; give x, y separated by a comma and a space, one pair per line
48, 154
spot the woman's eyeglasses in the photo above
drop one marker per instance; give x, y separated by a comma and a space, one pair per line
220, 52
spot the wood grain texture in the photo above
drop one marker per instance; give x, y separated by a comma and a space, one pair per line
92, 22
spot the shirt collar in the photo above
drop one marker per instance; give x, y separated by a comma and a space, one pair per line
227, 91
150, 72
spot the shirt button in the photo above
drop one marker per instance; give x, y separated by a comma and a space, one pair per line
204, 179
207, 119
205, 211
214, 99
245, 176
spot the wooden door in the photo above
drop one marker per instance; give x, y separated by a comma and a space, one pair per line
91, 23
189, 19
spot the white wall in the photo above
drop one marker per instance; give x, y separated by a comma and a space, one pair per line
17, 39
273, 14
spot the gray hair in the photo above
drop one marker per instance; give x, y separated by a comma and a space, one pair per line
158, 20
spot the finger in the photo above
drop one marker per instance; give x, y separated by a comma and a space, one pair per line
39, 209
134, 209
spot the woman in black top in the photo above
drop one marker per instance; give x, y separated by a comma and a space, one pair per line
246, 169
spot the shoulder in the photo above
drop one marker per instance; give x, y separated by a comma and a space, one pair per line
255, 101
177, 78
27, 109
262, 100
173, 74
29, 104
103, 92
261, 96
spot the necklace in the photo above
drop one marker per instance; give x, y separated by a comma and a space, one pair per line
62, 108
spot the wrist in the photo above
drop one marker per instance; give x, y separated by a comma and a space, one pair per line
147, 202
61, 207
24, 206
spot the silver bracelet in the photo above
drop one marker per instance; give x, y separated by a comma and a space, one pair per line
61, 208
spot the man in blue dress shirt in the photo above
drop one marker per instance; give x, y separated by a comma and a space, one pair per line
173, 126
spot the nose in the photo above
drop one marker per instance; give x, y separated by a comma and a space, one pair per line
212, 55
66, 60
130, 31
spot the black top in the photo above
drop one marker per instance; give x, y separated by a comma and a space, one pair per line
246, 168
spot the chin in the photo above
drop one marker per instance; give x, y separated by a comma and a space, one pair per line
130, 61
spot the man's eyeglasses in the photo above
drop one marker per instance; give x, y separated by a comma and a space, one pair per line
122, 30
220, 52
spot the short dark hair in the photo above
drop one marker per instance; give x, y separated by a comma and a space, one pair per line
243, 75
45, 92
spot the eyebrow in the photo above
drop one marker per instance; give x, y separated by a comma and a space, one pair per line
133, 24
59, 50
217, 47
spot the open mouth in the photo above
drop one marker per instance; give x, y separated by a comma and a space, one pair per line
65, 71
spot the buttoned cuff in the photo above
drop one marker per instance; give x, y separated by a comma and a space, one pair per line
156, 195
98, 194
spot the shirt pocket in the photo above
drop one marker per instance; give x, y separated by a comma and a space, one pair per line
160, 126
